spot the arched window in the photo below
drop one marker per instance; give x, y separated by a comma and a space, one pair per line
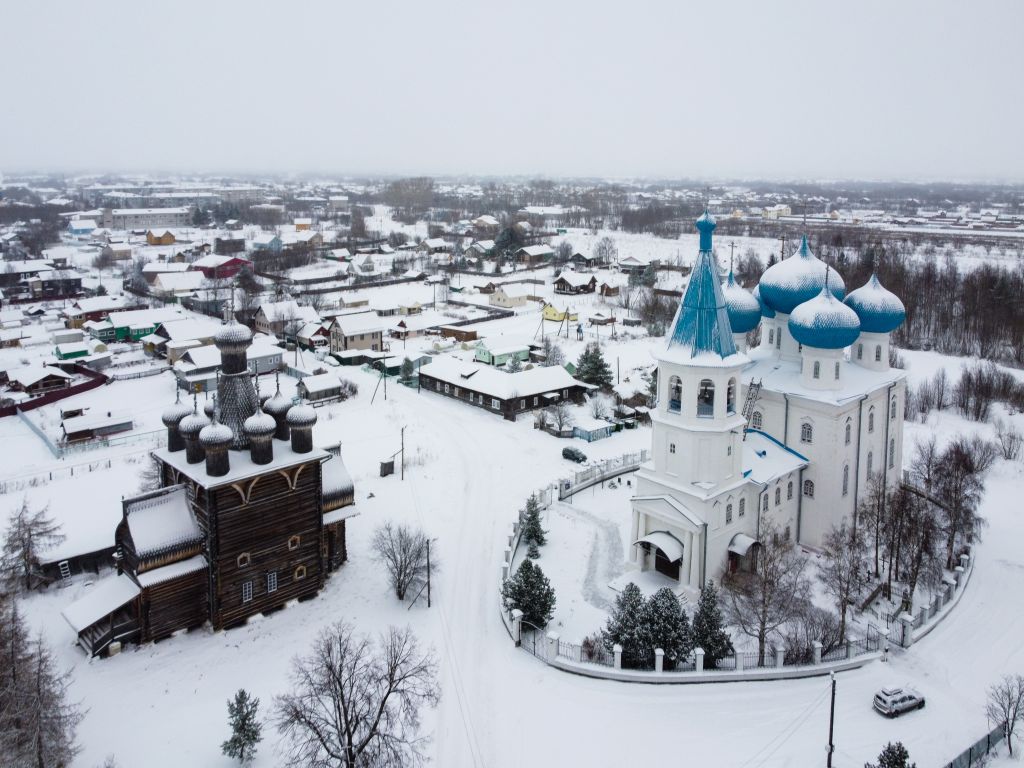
771, 336
778, 496
817, 369
846, 479
243, 560
892, 409
728, 513
892, 453
878, 353
837, 370
778, 339
806, 433
675, 393
871, 419
299, 573
789, 490
809, 489
871, 461
847, 432
293, 543
743, 507
706, 398
764, 503
730, 397
756, 420
860, 351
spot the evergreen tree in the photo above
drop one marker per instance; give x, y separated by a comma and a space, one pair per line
29, 532
531, 592
627, 626
649, 276
532, 533
514, 365
893, 756
668, 625
245, 727
405, 373
708, 632
592, 368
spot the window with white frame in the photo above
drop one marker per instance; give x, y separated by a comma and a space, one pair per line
671, 447
871, 461
806, 433
860, 351
789, 490
778, 496
809, 489
272, 581
837, 371
495, 403
246, 591
892, 409
892, 453
817, 370
771, 336
878, 353
764, 503
756, 420
728, 513
848, 430
871, 420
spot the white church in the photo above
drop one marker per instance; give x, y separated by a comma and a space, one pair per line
788, 432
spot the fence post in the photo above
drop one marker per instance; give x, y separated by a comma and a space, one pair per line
552, 649
659, 660
698, 659
739, 661
508, 557
850, 648
958, 574
780, 657
907, 623
504, 572
617, 650
816, 645
925, 613
517, 626
965, 559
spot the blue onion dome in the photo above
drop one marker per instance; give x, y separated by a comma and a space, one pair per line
260, 424
175, 412
301, 416
216, 435
743, 309
791, 282
879, 309
233, 335
191, 425
766, 311
824, 322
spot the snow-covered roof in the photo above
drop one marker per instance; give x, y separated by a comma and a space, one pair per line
189, 329
341, 513
362, 322
879, 310
161, 521
575, 279
33, 374
494, 382
323, 382
824, 322
102, 598
163, 267
172, 571
536, 250
277, 311
784, 376
96, 421
212, 261
241, 465
743, 308
765, 459
179, 281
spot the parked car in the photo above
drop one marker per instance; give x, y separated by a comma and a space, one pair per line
893, 702
574, 454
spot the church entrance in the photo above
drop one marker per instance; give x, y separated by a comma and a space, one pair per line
665, 566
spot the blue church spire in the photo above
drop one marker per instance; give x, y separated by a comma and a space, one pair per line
701, 325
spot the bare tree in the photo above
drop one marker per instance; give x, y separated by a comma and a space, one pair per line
1005, 705
353, 704
960, 474
560, 414
843, 570
600, 406
605, 251
29, 533
1009, 440
553, 354
404, 552
761, 602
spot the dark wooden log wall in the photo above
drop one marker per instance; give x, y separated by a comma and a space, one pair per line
175, 604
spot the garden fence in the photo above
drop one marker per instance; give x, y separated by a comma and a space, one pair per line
975, 754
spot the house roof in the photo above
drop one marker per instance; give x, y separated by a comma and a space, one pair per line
323, 382
161, 521
575, 279
33, 374
179, 281
362, 322
494, 382
96, 421
278, 311
104, 597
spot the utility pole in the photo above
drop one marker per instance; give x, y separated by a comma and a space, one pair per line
428, 599
403, 453
782, 250
831, 714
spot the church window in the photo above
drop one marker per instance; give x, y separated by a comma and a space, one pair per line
243, 560
272, 581
871, 419
846, 479
847, 432
860, 351
675, 394
756, 420
730, 397
671, 447
728, 513
778, 496
837, 370
706, 398
806, 433
787, 534
743, 507
728, 450
247, 592
789, 490
892, 453
892, 409
771, 336
293, 543
878, 353
817, 369
300, 573
764, 504
778, 339
871, 461
809, 489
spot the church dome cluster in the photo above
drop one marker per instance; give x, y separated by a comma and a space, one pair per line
824, 322
743, 307
791, 282
879, 310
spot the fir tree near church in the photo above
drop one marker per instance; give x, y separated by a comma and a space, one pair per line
708, 632
533, 534
245, 727
531, 592
592, 368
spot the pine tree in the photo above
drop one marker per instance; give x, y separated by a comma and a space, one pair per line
531, 592
893, 756
245, 727
668, 624
405, 373
533, 534
592, 368
708, 632
29, 532
627, 626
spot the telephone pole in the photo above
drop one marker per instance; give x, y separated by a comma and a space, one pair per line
403, 455
428, 596
831, 714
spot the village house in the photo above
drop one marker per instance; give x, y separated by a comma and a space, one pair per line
573, 283
314, 335
130, 325
435, 245
320, 388
499, 352
160, 237
151, 269
283, 318
171, 286
497, 391
196, 369
37, 380
535, 254
146, 218
172, 339
511, 295
267, 241
118, 251
90, 426
92, 308
219, 266
357, 331
225, 245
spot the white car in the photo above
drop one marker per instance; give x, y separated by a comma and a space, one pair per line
893, 702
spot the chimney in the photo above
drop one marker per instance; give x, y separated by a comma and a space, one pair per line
301, 419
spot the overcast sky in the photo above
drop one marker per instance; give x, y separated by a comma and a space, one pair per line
867, 90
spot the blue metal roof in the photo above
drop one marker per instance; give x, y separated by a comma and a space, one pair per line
879, 309
791, 282
766, 311
744, 310
824, 322
702, 322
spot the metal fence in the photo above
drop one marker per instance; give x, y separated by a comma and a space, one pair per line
975, 753
601, 471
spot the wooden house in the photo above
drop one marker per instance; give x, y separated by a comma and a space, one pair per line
573, 283
160, 237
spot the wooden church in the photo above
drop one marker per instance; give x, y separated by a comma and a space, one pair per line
250, 516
